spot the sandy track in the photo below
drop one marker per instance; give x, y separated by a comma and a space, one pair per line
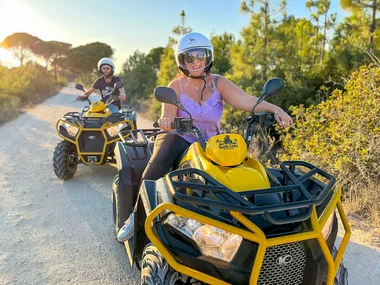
55, 232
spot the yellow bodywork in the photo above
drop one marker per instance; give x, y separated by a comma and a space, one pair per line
97, 110
102, 129
255, 234
227, 149
250, 174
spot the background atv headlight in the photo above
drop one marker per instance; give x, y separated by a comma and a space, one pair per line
71, 130
114, 130
211, 241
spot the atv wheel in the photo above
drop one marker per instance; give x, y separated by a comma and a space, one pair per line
156, 271
65, 160
114, 207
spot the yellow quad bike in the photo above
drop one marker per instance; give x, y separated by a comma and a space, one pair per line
89, 136
221, 217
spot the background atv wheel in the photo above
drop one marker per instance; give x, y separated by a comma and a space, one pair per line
156, 271
341, 277
65, 160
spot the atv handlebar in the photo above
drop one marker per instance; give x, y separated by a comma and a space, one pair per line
258, 121
83, 98
180, 124
184, 126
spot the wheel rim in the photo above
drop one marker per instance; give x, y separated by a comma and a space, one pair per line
72, 159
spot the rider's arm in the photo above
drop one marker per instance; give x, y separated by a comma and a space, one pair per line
89, 92
237, 98
168, 111
122, 95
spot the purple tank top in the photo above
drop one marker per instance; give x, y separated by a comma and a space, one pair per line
207, 117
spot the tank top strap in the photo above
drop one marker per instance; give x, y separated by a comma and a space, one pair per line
180, 85
213, 82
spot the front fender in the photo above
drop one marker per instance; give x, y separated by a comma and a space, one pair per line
131, 162
151, 194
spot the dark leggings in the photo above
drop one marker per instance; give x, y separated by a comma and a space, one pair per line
167, 150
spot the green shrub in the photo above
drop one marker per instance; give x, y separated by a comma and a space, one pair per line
24, 85
86, 80
342, 136
61, 82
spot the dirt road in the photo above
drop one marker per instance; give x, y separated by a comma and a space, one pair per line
55, 232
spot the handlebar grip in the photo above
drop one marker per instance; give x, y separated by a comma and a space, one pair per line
156, 125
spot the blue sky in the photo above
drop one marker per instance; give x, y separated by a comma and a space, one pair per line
124, 24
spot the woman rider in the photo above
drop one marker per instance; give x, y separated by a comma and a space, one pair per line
202, 94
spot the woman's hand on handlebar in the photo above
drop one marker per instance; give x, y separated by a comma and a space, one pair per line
165, 123
282, 118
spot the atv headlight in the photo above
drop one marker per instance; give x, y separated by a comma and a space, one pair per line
211, 241
113, 131
327, 228
71, 130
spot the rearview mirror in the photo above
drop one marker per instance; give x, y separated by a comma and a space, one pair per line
79, 87
118, 85
271, 87
166, 95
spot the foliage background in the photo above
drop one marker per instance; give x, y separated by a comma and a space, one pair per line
330, 68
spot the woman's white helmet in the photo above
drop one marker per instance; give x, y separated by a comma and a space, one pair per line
190, 43
106, 61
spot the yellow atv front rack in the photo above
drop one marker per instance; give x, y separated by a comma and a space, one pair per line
255, 234
102, 129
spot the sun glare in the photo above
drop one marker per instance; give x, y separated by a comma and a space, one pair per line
17, 16
6, 58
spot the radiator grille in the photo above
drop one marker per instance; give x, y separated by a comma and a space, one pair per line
283, 265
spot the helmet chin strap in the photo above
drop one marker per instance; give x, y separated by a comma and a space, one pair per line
203, 77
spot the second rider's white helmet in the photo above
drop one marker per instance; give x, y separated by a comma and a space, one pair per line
106, 61
190, 45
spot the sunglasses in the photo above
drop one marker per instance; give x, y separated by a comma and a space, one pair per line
201, 57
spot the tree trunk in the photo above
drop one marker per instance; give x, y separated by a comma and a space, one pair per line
301, 49
265, 65
324, 39
55, 73
21, 56
316, 39
372, 27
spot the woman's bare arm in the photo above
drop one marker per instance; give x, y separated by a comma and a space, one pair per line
237, 98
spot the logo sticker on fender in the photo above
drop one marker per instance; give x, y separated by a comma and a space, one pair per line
227, 143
